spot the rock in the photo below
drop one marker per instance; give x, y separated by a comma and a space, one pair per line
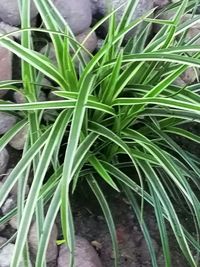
7, 121
6, 254
20, 98
18, 141
4, 157
85, 255
53, 97
188, 77
2, 240
192, 32
51, 53
102, 6
13, 222
8, 205
98, 6
2, 93
100, 43
6, 28
2, 227
91, 42
52, 249
52, 56
161, 3
5, 65
78, 14
9, 12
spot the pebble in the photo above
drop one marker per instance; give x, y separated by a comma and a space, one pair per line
2, 227
8, 205
4, 158
98, 6
9, 12
13, 222
7, 121
53, 97
78, 14
161, 3
192, 31
187, 78
18, 141
6, 254
6, 28
2, 240
20, 98
91, 42
101, 6
52, 249
85, 255
2, 93
5, 65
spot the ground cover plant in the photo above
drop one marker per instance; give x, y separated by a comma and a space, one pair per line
118, 110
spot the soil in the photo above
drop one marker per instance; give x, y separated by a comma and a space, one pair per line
91, 225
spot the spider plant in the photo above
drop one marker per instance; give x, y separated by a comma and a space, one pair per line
121, 104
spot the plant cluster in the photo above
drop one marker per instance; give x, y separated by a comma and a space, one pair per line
118, 110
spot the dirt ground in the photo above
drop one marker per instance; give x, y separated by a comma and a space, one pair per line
91, 225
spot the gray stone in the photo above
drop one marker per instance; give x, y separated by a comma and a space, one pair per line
6, 254
8, 205
187, 78
2, 93
18, 141
78, 13
85, 255
52, 249
13, 222
104, 7
2, 226
90, 43
52, 56
99, 6
100, 43
6, 28
4, 158
9, 12
7, 121
192, 32
53, 97
2, 240
20, 98
161, 3
5, 65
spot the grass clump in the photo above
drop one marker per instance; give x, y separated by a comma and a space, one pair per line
121, 104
